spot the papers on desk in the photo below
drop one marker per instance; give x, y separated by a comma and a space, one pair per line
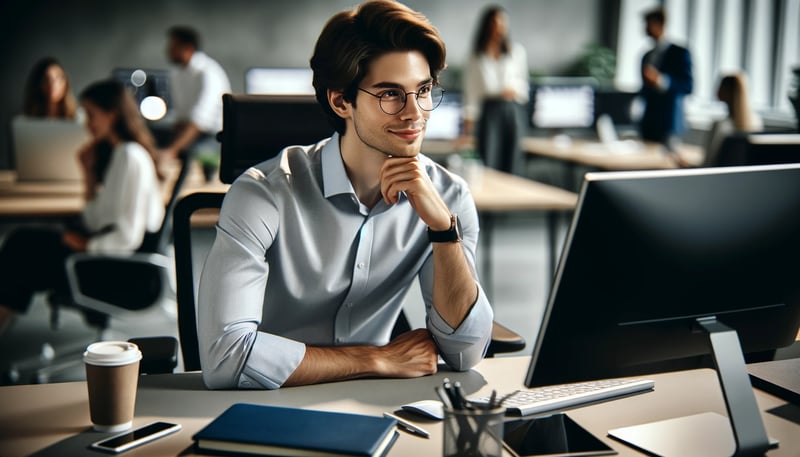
273, 430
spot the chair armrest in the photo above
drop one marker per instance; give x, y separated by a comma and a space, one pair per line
504, 340
159, 354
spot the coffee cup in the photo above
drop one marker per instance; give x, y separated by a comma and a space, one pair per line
112, 375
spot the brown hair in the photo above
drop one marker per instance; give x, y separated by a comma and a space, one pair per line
352, 39
485, 30
111, 96
733, 91
35, 103
656, 15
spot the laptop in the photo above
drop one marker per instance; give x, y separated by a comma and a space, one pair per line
46, 149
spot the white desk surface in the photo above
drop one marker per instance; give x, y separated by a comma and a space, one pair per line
53, 419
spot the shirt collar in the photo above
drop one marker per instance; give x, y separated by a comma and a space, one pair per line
334, 175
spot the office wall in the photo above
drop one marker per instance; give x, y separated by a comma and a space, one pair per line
91, 37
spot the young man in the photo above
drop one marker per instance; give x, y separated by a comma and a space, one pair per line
666, 79
196, 84
316, 249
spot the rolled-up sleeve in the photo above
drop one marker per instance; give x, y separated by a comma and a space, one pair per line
233, 353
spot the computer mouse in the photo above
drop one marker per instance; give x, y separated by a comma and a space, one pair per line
431, 409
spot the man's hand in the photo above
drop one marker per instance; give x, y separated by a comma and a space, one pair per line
75, 241
410, 355
650, 75
407, 174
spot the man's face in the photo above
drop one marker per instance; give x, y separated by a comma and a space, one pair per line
400, 134
654, 29
175, 52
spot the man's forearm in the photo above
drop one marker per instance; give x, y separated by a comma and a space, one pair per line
410, 355
454, 287
186, 135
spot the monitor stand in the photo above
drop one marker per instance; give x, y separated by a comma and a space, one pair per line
741, 434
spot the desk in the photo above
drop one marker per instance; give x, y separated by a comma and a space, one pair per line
623, 156
498, 192
54, 200
53, 419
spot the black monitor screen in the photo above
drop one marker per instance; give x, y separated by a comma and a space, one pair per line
256, 127
650, 252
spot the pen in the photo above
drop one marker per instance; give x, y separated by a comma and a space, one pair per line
408, 425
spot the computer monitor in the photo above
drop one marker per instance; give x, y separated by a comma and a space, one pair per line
758, 149
256, 127
279, 81
444, 122
562, 103
656, 262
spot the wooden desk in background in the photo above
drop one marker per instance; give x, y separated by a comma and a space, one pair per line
53, 419
41, 201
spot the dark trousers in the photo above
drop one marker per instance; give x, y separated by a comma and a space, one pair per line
498, 134
32, 260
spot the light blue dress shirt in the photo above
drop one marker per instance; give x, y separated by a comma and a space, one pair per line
299, 260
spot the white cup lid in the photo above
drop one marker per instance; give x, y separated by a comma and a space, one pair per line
111, 353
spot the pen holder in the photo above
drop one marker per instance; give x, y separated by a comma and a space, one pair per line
473, 432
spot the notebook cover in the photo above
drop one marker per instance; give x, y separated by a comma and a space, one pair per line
267, 429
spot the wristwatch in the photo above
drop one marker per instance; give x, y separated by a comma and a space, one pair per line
451, 235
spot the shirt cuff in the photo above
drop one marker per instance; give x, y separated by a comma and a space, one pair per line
663, 82
271, 361
465, 346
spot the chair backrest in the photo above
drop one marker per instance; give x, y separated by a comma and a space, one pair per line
184, 270
256, 127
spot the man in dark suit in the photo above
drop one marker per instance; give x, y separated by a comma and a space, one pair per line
667, 78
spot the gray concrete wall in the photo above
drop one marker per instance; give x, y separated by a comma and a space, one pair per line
91, 37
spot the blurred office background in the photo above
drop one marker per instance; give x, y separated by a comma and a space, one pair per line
600, 38
92, 37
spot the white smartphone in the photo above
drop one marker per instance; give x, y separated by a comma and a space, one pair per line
136, 437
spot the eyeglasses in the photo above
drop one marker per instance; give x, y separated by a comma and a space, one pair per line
392, 101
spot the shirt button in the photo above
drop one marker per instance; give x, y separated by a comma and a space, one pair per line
360, 265
349, 305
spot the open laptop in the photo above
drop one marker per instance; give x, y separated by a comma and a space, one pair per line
46, 149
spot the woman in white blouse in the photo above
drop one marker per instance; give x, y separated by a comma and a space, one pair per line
496, 90
124, 204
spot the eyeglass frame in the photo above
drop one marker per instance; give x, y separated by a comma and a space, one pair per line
405, 99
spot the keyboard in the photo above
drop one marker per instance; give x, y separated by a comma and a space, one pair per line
552, 398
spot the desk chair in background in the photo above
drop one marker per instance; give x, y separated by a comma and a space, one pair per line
119, 285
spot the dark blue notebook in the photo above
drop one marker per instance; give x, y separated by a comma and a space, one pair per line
274, 430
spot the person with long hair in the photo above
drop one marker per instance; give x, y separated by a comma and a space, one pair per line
732, 91
124, 204
496, 89
48, 93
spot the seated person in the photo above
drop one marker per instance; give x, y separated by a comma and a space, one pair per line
123, 203
732, 91
316, 249
47, 92
196, 84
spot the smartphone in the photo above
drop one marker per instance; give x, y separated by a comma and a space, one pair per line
136, 437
